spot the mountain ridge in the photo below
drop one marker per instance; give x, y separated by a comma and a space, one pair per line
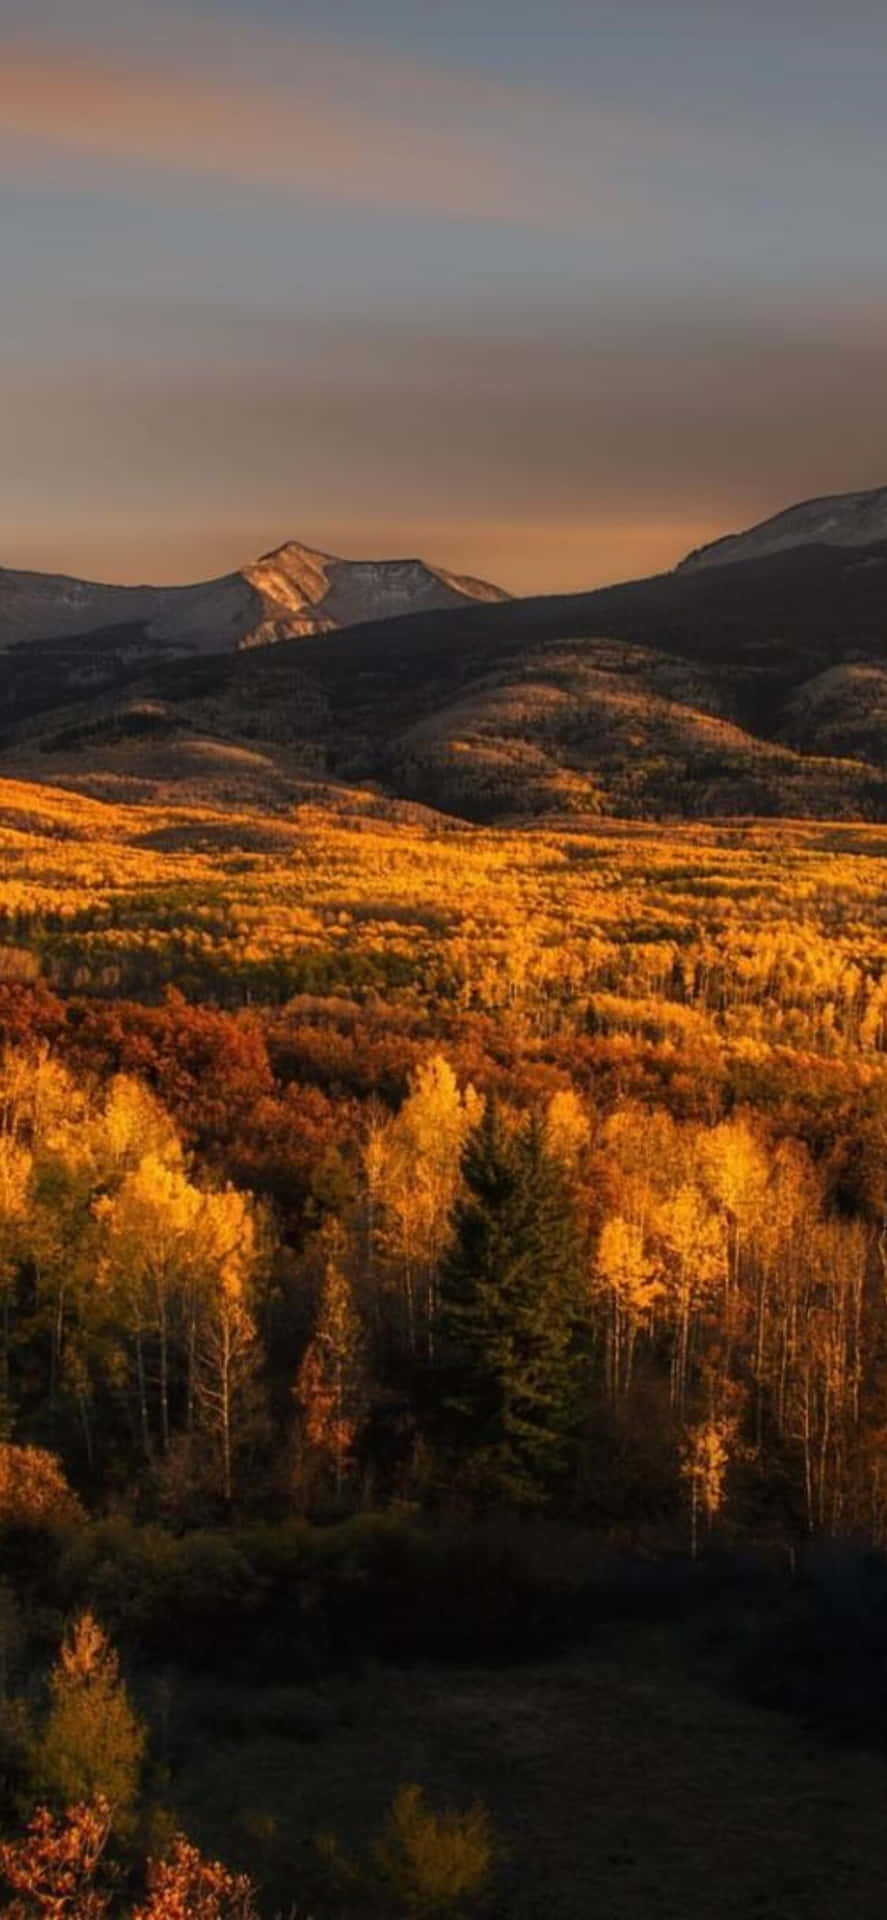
287, 593
758, 688
857, 519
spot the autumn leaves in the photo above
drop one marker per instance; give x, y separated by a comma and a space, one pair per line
121, 1272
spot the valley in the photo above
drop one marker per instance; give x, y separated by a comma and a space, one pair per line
443, 1106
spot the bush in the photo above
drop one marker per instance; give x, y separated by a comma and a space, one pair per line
434, 1863
54, 1871
197, 1593
33, 1490
425, 1864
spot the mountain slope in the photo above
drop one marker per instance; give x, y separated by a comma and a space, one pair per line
754, 688
684, 694
836, 520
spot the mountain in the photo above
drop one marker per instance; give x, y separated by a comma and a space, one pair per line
755, 688
837, 520
290, 592
741, 690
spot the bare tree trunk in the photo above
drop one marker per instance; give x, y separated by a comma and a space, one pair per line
143, 1398
162, 1317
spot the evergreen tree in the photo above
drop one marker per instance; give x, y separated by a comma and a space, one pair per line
511, 1298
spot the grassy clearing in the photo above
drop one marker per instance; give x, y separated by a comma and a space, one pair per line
623, 1783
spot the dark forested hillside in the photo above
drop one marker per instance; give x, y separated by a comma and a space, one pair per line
752, 688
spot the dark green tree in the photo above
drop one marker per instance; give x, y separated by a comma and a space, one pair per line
511, 1316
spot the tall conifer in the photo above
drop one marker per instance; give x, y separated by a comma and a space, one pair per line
510, 1307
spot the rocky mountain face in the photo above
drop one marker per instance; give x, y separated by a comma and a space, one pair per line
838, 520
286, 594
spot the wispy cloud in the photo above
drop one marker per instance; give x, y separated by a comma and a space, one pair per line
336, 123
162, 98
697, 317
310, 121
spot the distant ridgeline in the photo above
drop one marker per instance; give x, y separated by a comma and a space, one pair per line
751, 681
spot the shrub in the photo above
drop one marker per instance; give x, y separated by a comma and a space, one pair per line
425, 1864
184, 1886
51, 1872
434, 1862
34, 1491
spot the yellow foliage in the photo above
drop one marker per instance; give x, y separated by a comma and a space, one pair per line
434, 1862
92, 1743
567, 1128
694, 935
134, 1124
33, 1489
629, 1268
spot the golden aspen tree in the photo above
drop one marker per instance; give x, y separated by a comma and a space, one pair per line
629, 1273
16, 1175
228, 1353
92, 1743
133, 1124
567, 1128
61, 1237
781, 1258
705, 1459
152, 1241
414, 1167
735, 1167
39, 1097
693, 1241
824, 1408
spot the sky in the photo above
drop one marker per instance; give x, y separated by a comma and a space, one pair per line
548, 293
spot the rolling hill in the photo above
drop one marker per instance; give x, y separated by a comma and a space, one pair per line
758, 687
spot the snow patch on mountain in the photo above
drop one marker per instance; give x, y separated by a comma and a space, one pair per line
290, 592
837, 520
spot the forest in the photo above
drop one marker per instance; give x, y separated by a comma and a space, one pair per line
418, 1243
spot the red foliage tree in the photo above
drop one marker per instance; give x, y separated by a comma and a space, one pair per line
51, 1872
186, 1887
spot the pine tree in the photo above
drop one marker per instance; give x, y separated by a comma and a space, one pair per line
510, 1305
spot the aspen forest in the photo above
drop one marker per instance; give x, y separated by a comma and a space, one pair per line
417, 1243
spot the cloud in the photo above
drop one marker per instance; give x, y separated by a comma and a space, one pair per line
551, 458
551, 407
212, 105
162, 105
312, 121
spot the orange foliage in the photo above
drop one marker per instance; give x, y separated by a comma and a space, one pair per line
51, 1871
187, 1887
52, 1874
33, 1489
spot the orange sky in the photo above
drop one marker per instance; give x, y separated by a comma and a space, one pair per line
524, 559
550, 297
